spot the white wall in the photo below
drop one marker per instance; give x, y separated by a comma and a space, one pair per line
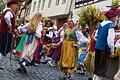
102, 5
54, 10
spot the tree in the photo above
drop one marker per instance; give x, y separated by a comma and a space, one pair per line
115, 4
90, 16
2, 5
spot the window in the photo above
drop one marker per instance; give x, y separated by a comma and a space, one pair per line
39, 5
79, 3
43, 3
57, 2
63, 1
49, 4
34, 6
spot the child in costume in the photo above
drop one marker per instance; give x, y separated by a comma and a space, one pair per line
33, 44
47, 38
83, 43
55, 51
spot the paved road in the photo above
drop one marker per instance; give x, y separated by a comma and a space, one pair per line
41, 72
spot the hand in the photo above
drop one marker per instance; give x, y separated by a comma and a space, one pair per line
54, 45
112, 55
10, 29
75, 45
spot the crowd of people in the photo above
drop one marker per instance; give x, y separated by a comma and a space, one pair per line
68, 47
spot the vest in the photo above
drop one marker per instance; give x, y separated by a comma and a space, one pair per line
3, 24
102, 35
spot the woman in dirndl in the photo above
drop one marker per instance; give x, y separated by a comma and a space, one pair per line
33, 44
69, 52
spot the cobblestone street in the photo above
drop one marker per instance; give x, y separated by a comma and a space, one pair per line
41, 72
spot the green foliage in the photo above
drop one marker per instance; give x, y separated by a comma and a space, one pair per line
115, 3
2, 6
90, 15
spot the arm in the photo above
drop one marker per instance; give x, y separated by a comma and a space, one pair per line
50, 35
110, 39
95, 37
39, 30
61, 38
8, 17
24, 28
80, 37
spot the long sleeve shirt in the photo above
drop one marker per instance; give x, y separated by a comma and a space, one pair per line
8, 17
110, 39
80, 37
39, 30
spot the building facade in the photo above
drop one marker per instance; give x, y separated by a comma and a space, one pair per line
57, 10
100, 4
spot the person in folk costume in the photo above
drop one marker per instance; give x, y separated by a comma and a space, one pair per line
55, 51
33, 43
7, 26
83, 44
117, 52
19, 47
69, 52
104, 47
47, 39
20, 32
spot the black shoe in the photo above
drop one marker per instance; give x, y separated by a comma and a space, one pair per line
19, 69
89, 78
22, 69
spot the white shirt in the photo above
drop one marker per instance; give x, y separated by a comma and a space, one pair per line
23, 28
39, 30
50, 34
80, 37
19, 28
8, 17
110, 39
62, 35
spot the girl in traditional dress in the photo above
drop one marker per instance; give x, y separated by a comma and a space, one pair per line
47, 38
55, 51
69, 52
83, 44
32, 45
